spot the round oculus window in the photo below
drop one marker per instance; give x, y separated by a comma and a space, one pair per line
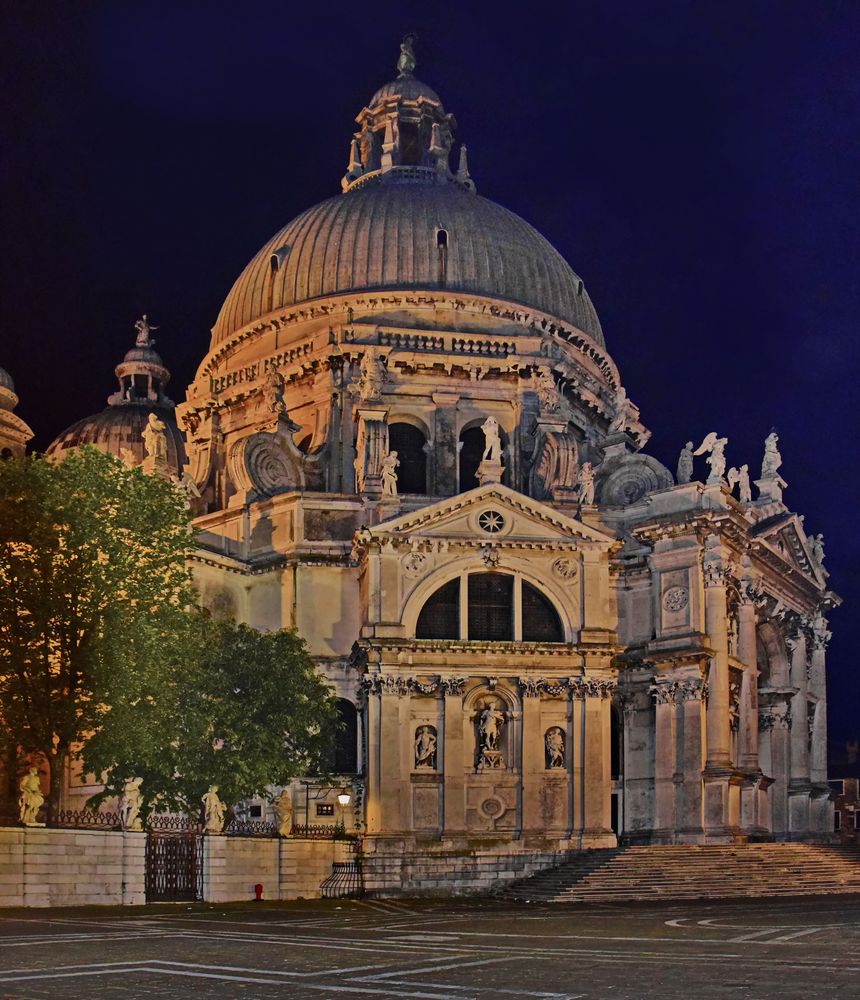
491, 521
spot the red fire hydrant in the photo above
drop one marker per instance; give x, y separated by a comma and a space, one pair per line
258, 892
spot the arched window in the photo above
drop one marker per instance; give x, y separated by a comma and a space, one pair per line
409, 442
491, 607
500, 608
440, 616
346, 744
540, 619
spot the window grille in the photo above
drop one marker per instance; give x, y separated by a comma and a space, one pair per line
440, 616
491, 607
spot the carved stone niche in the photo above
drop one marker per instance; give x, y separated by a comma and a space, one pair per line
555, 460
267, 463
627, 479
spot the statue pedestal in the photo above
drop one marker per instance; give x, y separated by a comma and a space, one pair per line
491, 760
770, 490
489, 472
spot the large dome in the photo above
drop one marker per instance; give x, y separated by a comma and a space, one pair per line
384, 236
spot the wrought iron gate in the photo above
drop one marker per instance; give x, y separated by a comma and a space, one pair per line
174, 866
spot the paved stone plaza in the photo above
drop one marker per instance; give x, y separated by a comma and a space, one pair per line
439, 951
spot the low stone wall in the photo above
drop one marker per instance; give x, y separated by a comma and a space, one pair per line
44, 867
50, 867
390, 869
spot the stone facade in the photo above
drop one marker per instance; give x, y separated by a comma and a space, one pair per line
409, 441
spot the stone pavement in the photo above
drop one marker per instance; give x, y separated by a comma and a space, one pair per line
475, 950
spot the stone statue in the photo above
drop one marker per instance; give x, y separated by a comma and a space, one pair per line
490, 727
817, 544
144, 331
425, 747
155, 438
214, 812
772, 459
715, 447
741, 478
372, 378
492, 441
685, 464
273, 392
621, 420
585, 484
554, 744
284, 811
389, 474
406, 62
130, 804
30, 799
549, 398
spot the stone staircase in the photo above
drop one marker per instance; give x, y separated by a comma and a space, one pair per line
691, 872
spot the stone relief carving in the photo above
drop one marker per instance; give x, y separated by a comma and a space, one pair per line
214, 811
774, 718
265, 463
425, 747
30, 797
554, 747
416, 563
130, 804
418, 686
490, 555
565, 567
453, 685
530, 687
668, 692
676, 599
734, 705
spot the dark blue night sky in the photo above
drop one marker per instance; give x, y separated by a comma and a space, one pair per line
697, 163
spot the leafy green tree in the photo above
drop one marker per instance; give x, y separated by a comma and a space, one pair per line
94, 587
245, 711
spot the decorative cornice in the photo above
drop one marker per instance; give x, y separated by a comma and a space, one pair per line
666, 692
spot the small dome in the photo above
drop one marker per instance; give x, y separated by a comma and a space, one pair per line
6, 380
145, 355
406, 87
384, 236
118, 428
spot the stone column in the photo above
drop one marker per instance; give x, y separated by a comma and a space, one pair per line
799, 786
391, 769
776, 724
373, 817
445, 482
597, 782
690, 694
533, 755
453, 757
748, 731
716, 626
818, 762
370, 449
665, 736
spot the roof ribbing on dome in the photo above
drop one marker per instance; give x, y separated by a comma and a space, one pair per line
381, 237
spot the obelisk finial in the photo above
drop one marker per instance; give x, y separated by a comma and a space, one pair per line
406, 60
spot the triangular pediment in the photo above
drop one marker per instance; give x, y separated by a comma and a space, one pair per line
785, 535
475, 516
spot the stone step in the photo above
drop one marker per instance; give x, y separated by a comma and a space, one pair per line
693, 871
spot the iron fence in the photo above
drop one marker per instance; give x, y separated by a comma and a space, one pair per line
86, 819
251, 828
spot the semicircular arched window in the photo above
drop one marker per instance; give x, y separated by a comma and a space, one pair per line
499, 607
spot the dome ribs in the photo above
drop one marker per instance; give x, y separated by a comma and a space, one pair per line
383, 236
